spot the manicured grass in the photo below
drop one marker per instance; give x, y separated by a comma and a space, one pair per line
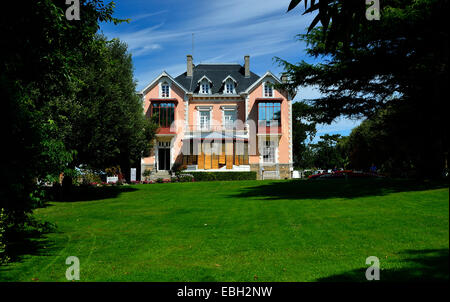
244, 231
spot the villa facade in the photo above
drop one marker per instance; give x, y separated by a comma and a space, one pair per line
220, 117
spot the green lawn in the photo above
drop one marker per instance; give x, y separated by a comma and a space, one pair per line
244, 231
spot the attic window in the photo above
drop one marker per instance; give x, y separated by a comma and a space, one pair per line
165, 90
268, 90
229, 87
204, 87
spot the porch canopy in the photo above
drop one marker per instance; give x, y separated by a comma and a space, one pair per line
215, 150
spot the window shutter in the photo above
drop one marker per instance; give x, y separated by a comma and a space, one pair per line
201, 161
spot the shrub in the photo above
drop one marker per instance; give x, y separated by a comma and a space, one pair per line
89, 177
160, 180
211, 176
186, 178
3, 224
177, 169
308, 173
147, 173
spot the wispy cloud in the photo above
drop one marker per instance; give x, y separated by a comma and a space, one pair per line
224, 31
143, 16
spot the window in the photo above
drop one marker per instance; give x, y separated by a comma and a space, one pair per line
164, 90
268, 90
229, 87
229, 118
204, 87
165, 113
270, 112
269, 152
205, 118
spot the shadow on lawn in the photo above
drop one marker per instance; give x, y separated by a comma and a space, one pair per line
419, 265
336, 188
27, 243
87, 193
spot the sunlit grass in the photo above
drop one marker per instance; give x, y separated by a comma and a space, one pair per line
245, 231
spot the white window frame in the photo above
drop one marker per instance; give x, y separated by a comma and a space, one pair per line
200, 110
229, 87
229, 80
266, 86
226, 124
204, 82
161, 83
264, 146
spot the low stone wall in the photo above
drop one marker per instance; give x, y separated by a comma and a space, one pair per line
284, 170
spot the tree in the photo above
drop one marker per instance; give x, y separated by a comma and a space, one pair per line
302, 128
40, 50
327, 152
388, 139
109, 127
401, 60
68, 97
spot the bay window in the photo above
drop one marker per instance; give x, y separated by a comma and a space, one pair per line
269, 113
164, 112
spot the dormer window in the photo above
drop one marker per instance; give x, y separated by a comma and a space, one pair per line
205, 85
165, 89
229, 85
268, 90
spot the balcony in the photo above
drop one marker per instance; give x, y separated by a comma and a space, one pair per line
218, 128
269, 127
206, 131
165, 131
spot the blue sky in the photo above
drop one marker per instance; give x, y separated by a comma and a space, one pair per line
159, 36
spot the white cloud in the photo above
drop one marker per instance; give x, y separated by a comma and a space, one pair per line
143, 16
224, 32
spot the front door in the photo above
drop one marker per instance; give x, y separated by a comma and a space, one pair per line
163, 158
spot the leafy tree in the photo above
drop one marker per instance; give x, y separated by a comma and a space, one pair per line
400, 60
40, 49
55, 100
327, 152
303, 128
388, 139
109, 127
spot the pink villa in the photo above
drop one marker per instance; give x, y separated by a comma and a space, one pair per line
220, 117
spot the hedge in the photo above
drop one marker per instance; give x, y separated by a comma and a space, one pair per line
210, 176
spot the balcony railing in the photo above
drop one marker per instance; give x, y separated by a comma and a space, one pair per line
269, 127
217, 128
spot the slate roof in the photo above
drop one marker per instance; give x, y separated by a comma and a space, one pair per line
217, 73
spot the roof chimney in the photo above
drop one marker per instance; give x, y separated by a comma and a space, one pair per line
190, 66
247, 66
